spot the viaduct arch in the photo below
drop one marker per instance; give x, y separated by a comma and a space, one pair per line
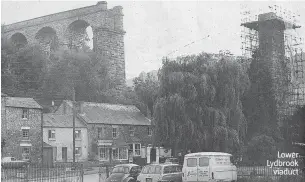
65, 28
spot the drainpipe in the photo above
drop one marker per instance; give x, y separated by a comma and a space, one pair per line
41, 136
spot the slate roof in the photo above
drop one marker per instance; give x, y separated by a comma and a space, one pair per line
55, 120
114, 114
22, 102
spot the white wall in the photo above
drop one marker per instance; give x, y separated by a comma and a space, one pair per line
64, 138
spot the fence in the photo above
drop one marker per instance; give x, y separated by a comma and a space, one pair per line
66, 172
267, 174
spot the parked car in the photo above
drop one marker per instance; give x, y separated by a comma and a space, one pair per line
167, 172
11, 162
124, 173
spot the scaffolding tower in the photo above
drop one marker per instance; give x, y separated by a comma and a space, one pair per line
287, 46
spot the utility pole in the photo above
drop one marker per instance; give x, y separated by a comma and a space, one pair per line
73, 106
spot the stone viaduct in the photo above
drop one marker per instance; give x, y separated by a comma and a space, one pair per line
68, 29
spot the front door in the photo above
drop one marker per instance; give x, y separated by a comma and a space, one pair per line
153, 155
190, 172
203, 169
64, 154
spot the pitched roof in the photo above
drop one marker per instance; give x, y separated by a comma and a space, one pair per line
55, 120
22, 102
115, 114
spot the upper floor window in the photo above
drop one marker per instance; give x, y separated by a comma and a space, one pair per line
25, 113
25, 134
131, 130
100, 132
51, 134
114, 132
149, 131
77, 134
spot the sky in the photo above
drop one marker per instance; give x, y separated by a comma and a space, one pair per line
155, 29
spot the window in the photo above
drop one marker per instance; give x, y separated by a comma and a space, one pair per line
77, 134
130, 150
25, 134
114, 133
203, 161
25, 153
191, 162
121, 169
78, 150
145, 169
134, 149
158, 170
149, 131
25, 114
119, 154
51, 134
104, 153
171, 169
100, 133
137, 149
131, 130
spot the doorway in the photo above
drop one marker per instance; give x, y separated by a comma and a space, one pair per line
64, 154
153, 155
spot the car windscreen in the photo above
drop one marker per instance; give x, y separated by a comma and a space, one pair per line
153, 169
121, 169
135, 169
172, 169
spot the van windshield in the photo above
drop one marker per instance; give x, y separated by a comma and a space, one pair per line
191, 162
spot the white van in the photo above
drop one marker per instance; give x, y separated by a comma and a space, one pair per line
208, 166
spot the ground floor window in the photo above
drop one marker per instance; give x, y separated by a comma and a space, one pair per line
120, 153
134, 149
104, 153
25, 151
78, 151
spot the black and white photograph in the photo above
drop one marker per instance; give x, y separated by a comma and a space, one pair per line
152, 91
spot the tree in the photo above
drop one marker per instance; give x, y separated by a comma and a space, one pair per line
146, 88
23, 68
261, 107
199, 104
82, 71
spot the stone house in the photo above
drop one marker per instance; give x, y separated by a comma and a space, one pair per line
21, 122
58, 133
116, 133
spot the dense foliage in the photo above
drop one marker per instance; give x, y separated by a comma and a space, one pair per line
199, 105
146, 87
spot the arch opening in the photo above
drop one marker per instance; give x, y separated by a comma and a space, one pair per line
18, 40
80, 35
47, 39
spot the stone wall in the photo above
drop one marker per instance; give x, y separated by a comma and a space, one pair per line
14, 137
106, 24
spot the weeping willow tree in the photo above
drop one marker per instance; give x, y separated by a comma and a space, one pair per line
199, 105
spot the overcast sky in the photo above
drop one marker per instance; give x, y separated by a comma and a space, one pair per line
156, 28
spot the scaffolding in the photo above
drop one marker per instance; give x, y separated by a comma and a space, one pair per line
293, 45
